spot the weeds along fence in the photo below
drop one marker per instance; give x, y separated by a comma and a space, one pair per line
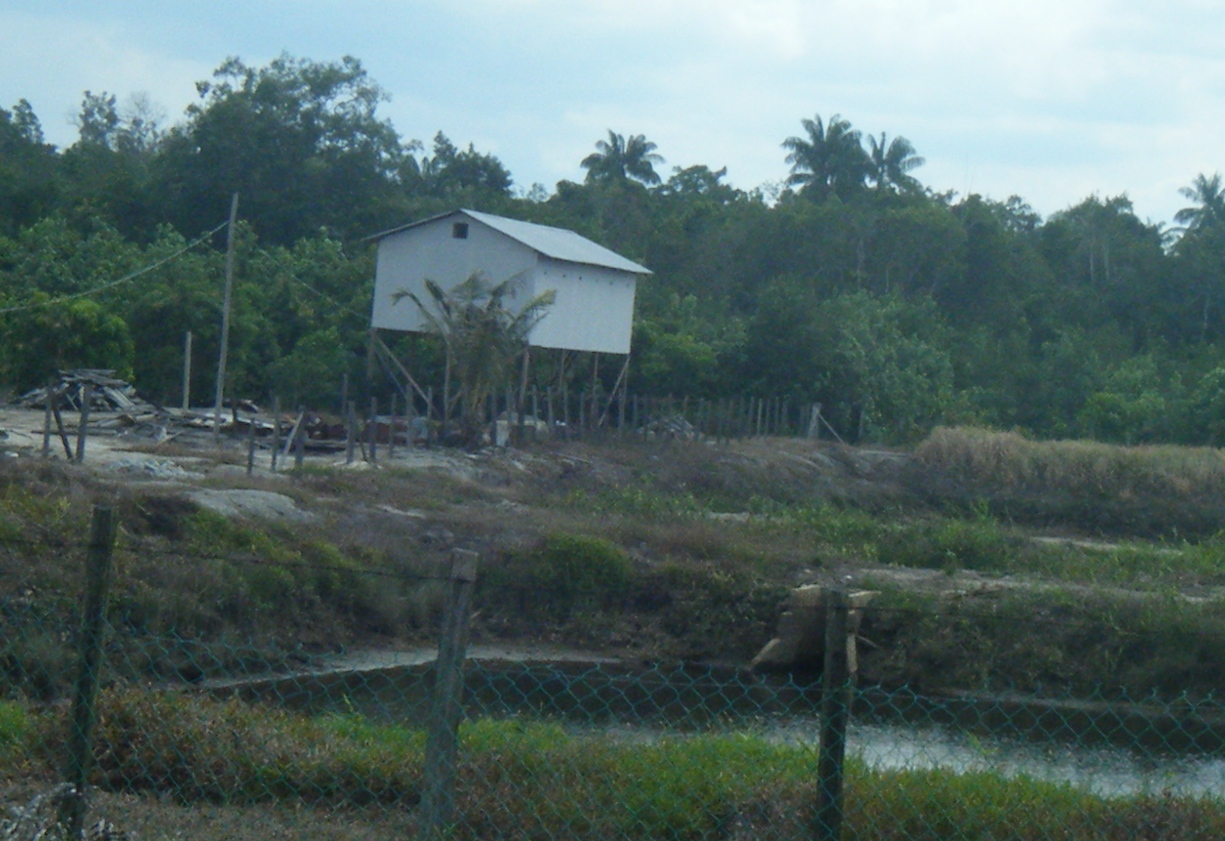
203, 735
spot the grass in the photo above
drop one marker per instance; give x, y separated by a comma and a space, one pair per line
1143, 491
629, 548
520, 778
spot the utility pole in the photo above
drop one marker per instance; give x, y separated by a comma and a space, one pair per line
225, 320
187, 371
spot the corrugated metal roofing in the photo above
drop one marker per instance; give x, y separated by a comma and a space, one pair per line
556, 243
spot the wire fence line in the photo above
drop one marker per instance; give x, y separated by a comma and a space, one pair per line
490, 747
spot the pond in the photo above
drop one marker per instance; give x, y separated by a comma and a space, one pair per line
1109, 749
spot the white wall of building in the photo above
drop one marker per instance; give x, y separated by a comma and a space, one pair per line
593, 309
407, 258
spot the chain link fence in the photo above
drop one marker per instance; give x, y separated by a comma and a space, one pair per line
175, 736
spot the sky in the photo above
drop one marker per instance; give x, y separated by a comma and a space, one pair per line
1050, 100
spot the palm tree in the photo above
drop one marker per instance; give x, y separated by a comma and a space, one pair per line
830, 161
619, 159
889, 164
1208, 193
482, 337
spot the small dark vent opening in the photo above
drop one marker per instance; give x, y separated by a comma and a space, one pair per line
459, 230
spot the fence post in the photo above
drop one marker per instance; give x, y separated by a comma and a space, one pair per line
350, 432
47, 419
299, 441
84, 701
835, 715
442, 742
251, 444
83, 424
373, 430
276, 430
391, 429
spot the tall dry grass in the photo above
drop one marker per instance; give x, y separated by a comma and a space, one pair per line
1146, 489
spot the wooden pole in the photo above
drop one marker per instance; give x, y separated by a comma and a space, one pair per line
47, 418
565, 393
299, 442
276, 430
391, 433
350, 440
187, 371
522, 407
251, 444
219, 393
87, 397
835, 715
59, 426
84, 702
442, 741
373, 430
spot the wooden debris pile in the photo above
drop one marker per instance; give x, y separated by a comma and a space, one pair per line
105, 393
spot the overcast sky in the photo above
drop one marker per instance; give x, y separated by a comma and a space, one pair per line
1051, 100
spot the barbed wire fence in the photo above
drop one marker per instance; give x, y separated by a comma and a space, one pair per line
447, 746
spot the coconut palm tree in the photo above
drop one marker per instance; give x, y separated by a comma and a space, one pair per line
889, 164
1208, 192
619, 159
482, 336
829, 161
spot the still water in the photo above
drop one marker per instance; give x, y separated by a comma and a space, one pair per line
1111, 750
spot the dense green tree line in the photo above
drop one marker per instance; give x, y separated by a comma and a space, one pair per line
896, 306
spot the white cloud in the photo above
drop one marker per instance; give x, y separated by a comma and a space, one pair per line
1049, 99
52, 60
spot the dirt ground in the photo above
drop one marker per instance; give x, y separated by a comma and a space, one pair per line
215, 477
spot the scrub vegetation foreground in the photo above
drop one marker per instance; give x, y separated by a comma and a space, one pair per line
1003, 564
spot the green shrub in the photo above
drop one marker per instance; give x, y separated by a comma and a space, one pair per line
14, 723
952, 544
563, 574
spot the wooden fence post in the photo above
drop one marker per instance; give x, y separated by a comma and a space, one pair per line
350, 432
84, 702
373, 429
47, 419
442, 742
251, 444
836, 693
276, 430
87, 397
299, 441
391, 434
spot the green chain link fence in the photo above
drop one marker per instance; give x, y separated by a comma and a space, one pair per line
193, 738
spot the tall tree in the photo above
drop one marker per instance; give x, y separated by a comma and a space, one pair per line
1208, 193
300, 140
28, 169
890, 164
107, 171
619, 159
1200, 253
451, 171
829, 161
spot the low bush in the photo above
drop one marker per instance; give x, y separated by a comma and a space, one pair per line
563, 574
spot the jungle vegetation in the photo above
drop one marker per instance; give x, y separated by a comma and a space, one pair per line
897, 305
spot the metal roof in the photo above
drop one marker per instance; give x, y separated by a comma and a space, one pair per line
555, 243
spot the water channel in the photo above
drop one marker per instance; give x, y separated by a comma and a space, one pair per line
1109, 749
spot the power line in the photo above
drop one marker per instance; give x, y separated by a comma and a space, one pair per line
132, 276
310, 288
